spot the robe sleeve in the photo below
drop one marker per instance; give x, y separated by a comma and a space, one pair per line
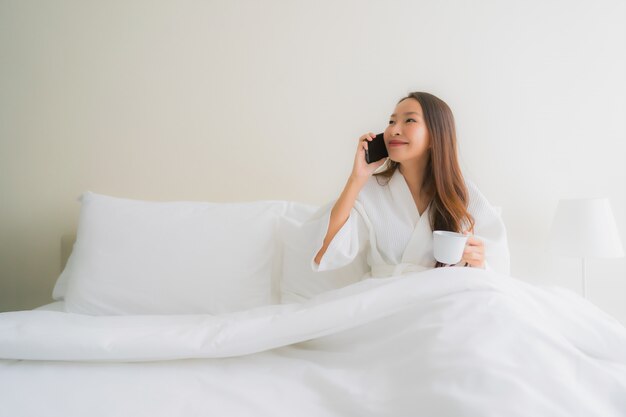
350, 241
490, 228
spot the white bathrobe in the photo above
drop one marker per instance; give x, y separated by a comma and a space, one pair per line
386, 228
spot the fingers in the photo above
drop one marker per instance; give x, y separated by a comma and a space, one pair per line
474, 252
476, 263
365, 139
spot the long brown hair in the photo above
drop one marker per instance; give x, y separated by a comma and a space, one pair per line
443, 181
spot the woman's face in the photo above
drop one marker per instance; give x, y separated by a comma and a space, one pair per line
406, 136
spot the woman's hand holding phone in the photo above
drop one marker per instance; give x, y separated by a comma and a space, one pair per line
361, 169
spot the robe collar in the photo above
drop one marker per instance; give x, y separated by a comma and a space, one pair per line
419, 249
401, 194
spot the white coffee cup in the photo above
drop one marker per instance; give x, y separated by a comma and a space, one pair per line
448, 246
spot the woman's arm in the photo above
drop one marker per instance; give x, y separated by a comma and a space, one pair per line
340, 212
361, 171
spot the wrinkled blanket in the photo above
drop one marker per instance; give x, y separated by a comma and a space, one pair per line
449, 341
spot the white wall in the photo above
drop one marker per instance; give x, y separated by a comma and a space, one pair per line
244, 100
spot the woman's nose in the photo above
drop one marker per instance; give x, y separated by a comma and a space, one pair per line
394, 130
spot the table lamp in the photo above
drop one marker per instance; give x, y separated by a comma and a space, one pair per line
585, 228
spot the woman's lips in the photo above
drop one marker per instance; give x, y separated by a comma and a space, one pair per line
397, 143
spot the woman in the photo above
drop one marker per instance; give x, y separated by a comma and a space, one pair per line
392, 213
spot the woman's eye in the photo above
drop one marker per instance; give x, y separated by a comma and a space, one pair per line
390, 122
410, 120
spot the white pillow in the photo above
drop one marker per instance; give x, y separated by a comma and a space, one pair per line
299, 282
144, 257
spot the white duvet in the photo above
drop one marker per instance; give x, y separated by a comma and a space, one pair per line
445, 342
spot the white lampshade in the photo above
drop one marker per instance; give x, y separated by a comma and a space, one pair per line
585, 228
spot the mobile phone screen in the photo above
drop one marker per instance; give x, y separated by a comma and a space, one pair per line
376, 149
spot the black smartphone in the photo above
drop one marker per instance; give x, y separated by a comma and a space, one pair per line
376, 149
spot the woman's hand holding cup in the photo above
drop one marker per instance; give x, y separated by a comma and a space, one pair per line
452, 248
474, 252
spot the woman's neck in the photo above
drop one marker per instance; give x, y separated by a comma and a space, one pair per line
413, 173
414, 180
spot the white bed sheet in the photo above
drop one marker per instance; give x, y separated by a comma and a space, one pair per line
446, 342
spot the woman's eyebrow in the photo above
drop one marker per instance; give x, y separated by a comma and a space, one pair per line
407, 113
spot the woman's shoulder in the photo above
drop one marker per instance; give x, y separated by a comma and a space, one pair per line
375, 183
373, 193
478, 202
473, 190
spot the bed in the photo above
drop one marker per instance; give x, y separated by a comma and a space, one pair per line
245, 330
